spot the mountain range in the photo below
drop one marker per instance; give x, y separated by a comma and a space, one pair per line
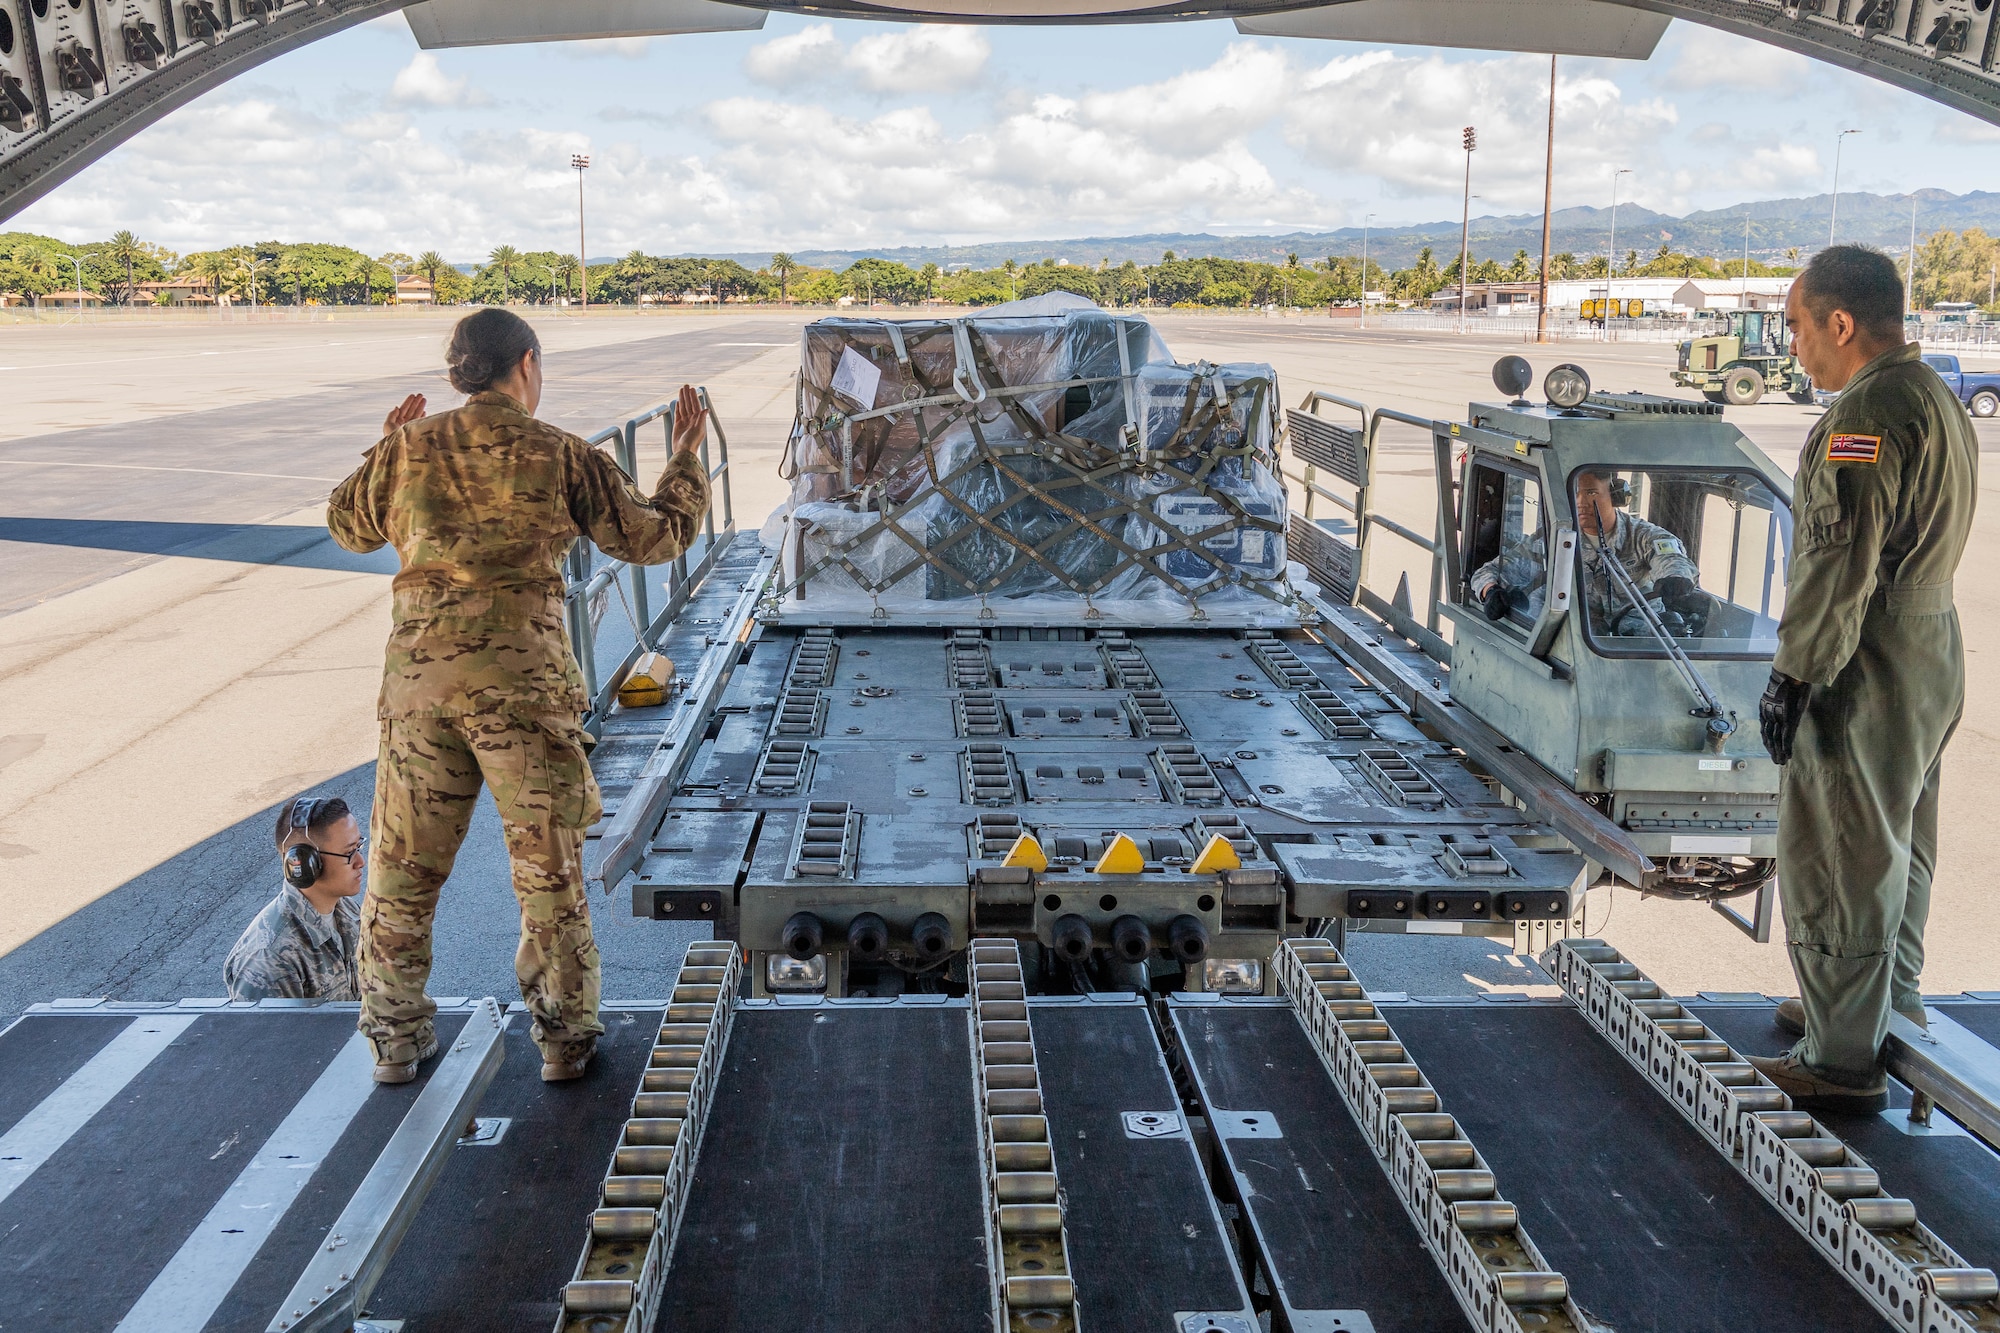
1776, 227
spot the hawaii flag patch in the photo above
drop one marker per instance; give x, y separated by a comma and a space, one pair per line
1853, 448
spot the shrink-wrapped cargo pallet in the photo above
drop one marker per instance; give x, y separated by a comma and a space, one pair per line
1003, 465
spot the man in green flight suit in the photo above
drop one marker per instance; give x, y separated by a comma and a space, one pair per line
480, 686
1869, 680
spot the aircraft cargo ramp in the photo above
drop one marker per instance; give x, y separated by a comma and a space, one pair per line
1204, 1163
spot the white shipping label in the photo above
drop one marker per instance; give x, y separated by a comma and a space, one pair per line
856, 377
1705, 845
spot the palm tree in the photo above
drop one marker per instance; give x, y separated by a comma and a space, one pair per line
430, 263
564, 270
504, 257
213, 266
124, 248
1010, 266
783, 265
362, 274
929, 274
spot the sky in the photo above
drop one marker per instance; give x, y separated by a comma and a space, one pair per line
815, 133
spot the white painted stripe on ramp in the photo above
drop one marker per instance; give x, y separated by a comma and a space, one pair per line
185, 1294
38, 1135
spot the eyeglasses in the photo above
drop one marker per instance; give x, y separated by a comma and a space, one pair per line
352, 856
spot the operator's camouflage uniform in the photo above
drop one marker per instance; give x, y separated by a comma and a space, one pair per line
1647, 551
1884, 501
290, 952
480, 685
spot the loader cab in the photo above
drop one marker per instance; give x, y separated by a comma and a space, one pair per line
1648, 711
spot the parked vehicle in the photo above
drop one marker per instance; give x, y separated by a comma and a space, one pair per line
1740, 366
1979, 392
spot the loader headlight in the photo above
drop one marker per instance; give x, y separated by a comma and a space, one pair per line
782, 972
1512, 375
1566, 386
1232, 976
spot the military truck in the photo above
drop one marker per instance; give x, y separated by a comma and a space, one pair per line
1742, 365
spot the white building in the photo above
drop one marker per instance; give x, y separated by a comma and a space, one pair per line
1662, 296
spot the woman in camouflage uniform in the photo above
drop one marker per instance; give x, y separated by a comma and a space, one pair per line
480, 685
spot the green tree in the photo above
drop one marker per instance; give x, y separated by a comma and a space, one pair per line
432, 265
125, 249
1039, 279
882, 279
503, 260
784, 266
929, 273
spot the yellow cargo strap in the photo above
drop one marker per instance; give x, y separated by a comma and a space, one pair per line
652, 679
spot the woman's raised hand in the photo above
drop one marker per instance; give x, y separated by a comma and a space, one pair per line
410, 409
690, 421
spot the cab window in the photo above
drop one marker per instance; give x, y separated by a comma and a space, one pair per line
1705, 549
1505, 540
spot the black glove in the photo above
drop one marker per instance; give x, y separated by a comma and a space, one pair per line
1779, 713
1494, 600
1673, 588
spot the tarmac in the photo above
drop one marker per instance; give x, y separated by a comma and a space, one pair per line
182, 648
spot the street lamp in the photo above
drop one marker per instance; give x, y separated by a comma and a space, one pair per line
1364, 268
1548, 208
1471, 141
1611, 255
581, 161
1833, 214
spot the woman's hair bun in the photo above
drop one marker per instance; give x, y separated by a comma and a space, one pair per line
485, 346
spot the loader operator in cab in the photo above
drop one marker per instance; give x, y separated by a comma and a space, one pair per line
1869, 680
1654, 558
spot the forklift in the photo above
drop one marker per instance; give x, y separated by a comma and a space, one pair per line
1740, 366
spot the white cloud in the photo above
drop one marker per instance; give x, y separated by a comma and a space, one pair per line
1398, 118
927, 58
921, 59
1709, 59
423, 82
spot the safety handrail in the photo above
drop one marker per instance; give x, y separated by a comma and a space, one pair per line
584, 577
1367, 518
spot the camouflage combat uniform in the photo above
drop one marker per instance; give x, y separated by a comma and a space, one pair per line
480, 686
290, 952
1648, 552
1884, 498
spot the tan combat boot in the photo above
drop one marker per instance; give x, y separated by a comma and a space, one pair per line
1811, 1091
559, 1070
406, 1072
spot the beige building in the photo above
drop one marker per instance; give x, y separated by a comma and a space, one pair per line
70, 300
415, 289
189, 290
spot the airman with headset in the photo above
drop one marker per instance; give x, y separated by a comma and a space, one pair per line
302, 945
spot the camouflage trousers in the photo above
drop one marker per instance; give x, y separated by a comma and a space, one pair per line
427, 778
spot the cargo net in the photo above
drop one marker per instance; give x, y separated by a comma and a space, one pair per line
1020, 460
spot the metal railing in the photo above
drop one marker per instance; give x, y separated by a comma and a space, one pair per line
1442, 551
588, 573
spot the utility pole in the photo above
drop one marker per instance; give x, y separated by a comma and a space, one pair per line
1471, 141
1833, 214
581, 161
1743, 297
1364, 268
1910, 278
1611, 255
1548, 206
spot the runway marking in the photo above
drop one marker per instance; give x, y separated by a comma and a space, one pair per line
141, 467
37, 1135
186, 1293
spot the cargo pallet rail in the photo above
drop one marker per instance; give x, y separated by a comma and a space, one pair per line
1015, 992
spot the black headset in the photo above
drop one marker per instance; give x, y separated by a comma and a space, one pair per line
303, 864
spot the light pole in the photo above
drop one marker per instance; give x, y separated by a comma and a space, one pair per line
1611, 254
581, 161
1471, 141
78, 263
1548, 208
1743, 298
1833, 213
1910, 282
1364, 268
